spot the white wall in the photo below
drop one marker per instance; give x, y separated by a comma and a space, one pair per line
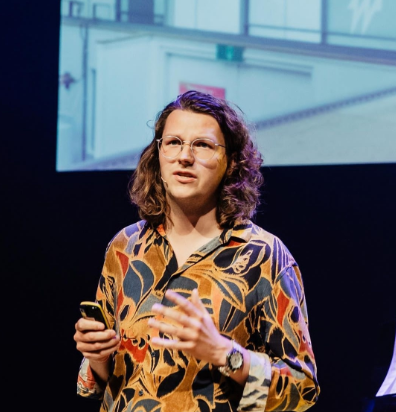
211, 15
123, 105
297, 14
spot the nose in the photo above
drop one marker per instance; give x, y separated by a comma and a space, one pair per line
186, 152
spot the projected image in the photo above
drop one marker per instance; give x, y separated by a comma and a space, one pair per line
317, 80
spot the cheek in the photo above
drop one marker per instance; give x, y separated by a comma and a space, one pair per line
221, 168
163, 162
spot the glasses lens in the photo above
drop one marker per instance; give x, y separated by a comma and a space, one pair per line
171, 146
203, 149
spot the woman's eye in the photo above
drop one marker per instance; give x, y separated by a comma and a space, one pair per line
173, 142
201, 144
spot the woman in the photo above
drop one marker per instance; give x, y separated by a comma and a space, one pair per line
207, 309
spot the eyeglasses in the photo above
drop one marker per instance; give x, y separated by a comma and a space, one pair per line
202, 149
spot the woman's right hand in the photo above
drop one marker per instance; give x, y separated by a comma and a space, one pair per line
94, 341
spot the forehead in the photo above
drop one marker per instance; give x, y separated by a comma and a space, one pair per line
187, 125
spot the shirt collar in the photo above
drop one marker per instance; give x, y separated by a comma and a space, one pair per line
241, 230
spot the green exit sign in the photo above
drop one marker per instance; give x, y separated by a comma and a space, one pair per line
229, 53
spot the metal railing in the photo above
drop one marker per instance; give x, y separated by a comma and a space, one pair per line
323, 41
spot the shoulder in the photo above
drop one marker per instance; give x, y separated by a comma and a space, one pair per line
257, 232
127, 234
279, 251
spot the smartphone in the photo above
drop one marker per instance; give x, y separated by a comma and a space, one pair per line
93, 310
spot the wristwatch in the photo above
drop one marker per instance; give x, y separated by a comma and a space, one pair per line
234, 360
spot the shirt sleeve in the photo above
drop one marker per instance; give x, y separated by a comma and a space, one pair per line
87, 386
284, 377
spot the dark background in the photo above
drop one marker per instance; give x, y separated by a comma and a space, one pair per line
338, 221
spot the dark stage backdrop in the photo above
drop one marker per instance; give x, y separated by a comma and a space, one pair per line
338, 221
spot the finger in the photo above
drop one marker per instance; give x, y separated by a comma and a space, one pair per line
90, 336
199, 308
184, 304
183, 321
188, 331
165, 311
170, 313
98, 347
163, 327
88, 324
197, 301
164, 343
99, 355
172, 344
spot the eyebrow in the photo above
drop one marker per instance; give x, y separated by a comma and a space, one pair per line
201, 137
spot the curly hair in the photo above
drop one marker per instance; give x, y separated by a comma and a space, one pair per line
239, 191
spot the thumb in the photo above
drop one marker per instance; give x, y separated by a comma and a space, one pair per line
197, 301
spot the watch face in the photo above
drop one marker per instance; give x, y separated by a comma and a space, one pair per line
235, 360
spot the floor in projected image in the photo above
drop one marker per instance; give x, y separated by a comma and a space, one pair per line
362, 132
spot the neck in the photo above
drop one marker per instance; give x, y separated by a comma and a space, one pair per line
184, 223
189, 228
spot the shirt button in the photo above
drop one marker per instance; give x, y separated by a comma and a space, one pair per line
153, 354
141, 392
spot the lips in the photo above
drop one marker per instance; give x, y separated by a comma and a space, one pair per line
184, 177
184, 174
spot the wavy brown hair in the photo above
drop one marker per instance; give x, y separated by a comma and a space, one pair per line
239, 191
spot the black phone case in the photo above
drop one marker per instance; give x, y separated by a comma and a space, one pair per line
93, 310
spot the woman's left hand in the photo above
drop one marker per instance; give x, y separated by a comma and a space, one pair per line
192, 329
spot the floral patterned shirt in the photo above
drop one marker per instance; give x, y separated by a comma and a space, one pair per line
252, 287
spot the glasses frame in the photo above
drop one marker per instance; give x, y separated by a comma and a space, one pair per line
159, 141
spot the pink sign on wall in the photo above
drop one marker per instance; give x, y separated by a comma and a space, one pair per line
214, 91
